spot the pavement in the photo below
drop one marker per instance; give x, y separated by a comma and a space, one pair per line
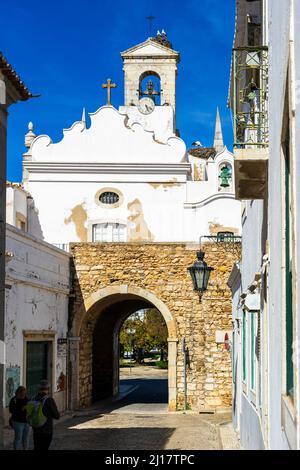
229, 438
138, 420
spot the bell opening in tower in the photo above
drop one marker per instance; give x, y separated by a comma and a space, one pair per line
150, 87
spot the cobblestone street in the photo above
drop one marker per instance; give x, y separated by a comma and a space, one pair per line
116, 431
137, 421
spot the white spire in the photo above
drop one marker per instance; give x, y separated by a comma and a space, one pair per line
218, 141
30, 136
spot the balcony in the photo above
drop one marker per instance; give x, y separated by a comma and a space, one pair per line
251, 124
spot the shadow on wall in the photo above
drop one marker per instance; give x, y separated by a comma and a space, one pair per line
34, 227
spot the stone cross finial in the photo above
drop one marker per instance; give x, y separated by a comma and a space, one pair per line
150, 18
30, 136
109, 85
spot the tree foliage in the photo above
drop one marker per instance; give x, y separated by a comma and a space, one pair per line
144, 331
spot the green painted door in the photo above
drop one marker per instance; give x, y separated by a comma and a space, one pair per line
244, 339
289, 288
37, 365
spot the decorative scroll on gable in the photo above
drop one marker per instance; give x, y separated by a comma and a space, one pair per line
109, 139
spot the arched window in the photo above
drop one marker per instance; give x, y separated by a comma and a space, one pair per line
150, 87
225, 176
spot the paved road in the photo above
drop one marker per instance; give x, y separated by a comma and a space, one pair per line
139, 421
148, 392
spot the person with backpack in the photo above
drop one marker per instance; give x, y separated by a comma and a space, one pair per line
41, 411
18, 419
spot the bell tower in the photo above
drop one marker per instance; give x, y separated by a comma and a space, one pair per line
152, 58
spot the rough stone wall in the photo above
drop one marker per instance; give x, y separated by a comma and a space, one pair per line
161, 268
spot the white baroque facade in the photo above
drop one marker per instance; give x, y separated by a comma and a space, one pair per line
128, 176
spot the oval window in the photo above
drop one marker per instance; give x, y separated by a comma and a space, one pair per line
109, 197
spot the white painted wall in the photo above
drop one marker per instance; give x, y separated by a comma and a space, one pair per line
153, 178
253, 247
282, 22
162, 119
276, 425
37, 288
296, 100
234, 282
20, 206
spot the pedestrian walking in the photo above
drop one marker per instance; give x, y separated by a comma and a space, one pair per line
18, 419
41, 411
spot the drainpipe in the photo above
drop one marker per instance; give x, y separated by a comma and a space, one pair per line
3, 124
184, 373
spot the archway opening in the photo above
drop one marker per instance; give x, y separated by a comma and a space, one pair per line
144, 357
98, 324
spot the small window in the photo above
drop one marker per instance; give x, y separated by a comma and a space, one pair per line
109, 197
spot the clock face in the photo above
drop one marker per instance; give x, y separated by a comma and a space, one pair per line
146, 105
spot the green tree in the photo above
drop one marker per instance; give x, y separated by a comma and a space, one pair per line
143, 331
157, 331
133, 337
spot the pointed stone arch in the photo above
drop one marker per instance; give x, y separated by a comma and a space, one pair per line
95, 304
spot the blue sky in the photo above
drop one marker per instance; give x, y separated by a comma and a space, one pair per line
64, 50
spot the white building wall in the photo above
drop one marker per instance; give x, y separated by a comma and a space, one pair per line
234, 283
158, 199
253, 249
276, 424
279, 27
296, 78
247, 415
20, 207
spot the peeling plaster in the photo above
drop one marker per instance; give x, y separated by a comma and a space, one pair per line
34, 304
61, 382
138, 229
78, 217
214, 228
198, 172
168, 185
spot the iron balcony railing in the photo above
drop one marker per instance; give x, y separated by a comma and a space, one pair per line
250, 97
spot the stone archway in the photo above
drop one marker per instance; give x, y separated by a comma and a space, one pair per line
103, 313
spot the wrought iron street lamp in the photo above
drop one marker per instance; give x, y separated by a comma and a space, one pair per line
200, 273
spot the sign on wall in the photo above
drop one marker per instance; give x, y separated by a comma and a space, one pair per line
62, 347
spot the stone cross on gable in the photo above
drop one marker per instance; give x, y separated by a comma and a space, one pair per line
150, 18
109, 86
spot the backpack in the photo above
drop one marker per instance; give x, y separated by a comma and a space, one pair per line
35, 415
